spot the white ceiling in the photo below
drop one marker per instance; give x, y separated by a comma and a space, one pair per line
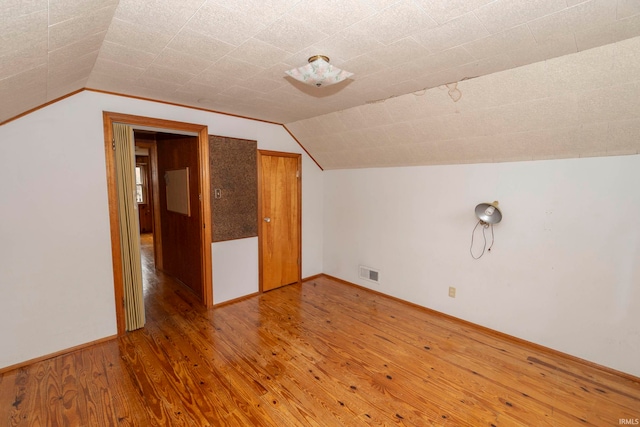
230, 55
580, 105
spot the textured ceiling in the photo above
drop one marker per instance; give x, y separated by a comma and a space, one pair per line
580, 105
230, 55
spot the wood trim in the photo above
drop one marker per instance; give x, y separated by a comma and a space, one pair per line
56, 354
106, 92
205, 208
242, 298
157, 223
208, 111
260, 214
277, 153
166, 103
46, 104
300, 218
114, 224
302, 146
169, 125
205, 212
493, 332
315, 276
235, 238
179, 105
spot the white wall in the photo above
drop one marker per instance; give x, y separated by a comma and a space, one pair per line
565, 268
56, 280
235, 269
564, 271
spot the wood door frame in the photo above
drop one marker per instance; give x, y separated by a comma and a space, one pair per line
260, 213
109, 118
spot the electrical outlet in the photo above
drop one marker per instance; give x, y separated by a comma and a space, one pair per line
452, 292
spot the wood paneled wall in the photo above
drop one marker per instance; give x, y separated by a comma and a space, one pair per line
181, 240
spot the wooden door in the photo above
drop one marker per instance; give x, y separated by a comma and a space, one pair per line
280, 219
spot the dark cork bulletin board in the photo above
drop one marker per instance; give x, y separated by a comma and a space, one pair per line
234, 188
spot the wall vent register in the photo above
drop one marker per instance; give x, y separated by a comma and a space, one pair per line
369, 274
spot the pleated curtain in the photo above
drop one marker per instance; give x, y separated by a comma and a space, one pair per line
129, 227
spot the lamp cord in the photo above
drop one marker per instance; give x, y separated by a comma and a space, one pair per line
484, 247
492, 239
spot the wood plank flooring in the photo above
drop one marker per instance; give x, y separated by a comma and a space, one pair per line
317, 354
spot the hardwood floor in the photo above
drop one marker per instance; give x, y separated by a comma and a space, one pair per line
317, 354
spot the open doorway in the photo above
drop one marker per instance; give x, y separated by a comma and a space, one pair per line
144, 189
146, 167
170, 203
201, 205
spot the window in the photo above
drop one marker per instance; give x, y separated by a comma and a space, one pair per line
141, 184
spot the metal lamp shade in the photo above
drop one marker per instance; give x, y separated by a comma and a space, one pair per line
482, 215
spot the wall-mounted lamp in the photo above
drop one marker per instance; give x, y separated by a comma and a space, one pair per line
487, 214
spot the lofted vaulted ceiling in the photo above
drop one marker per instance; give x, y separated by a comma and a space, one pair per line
230, 56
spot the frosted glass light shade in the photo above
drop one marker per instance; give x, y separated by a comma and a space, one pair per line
318, 72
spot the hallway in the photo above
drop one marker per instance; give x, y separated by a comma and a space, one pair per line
149, 274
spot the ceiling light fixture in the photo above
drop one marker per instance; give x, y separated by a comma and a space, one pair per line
318, 72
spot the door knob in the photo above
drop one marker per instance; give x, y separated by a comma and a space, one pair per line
267, 219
